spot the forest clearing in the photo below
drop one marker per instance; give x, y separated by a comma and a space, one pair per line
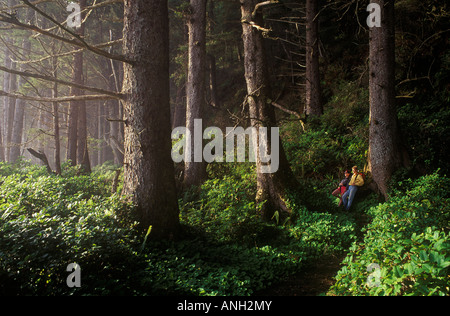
224, 148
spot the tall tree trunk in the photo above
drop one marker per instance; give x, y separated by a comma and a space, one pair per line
82, 137
82, 146
10, 82
114, 106
6, 100
179, 113
74, 107
72, 129
384, 145
100, 134
6, 81
19, 111
114, 126
56, 118
149, 177
10, 110
2, 148
212, 81
313, 91
195, 171
271, 187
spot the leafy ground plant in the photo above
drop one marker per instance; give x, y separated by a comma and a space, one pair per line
406, 247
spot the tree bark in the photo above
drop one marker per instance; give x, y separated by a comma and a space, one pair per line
179, 112
41, 156
82, 146
6, 78
82, 138
212, 81
271, 187
74, 107
313, 91
9, 113
56, 121
10, 82
384, 144
148, 168
195, 171
77, 149
19, 111
114, 126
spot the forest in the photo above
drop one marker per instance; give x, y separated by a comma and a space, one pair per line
239, 148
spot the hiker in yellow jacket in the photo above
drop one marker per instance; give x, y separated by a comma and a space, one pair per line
356, 181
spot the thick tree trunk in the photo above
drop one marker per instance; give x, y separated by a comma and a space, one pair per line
148, 168
195, 171
313, 91
384, 144
271, 187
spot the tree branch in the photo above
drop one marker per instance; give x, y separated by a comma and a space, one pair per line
108, 44
261, 4
282, 108
60, 99
67, 83
18, 6
41, 156
256, 26
12, 19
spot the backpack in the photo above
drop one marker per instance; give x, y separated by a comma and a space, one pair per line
363, 175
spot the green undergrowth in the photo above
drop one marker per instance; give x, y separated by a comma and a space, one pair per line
49, 221
406, 246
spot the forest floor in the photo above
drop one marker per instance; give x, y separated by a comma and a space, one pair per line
314, 280
317, 278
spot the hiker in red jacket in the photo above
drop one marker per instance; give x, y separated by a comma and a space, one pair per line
343, 187
356, 181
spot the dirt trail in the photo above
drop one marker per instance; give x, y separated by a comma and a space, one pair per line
317, 278
312, 281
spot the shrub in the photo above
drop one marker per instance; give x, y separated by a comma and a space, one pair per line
312, 153
408, 243
48, 222
224, 206
207, 268
320, 232
333, 142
